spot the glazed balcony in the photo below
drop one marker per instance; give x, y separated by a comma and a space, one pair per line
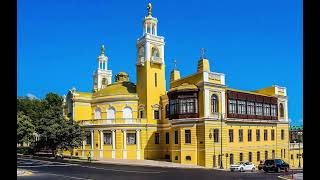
93, 122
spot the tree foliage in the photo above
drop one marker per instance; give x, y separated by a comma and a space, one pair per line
55, 131
25, 128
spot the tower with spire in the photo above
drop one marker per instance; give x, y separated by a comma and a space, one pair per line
102, 76
150, 66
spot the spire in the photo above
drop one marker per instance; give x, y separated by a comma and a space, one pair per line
203, 51
174, 64
203, 63
149, 9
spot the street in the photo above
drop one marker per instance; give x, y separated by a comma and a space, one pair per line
49, 169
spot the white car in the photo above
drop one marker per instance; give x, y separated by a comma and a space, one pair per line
242, 166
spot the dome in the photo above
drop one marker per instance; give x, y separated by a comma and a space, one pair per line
117, 88
184, 86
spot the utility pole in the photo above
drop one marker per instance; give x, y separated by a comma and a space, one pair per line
221, 166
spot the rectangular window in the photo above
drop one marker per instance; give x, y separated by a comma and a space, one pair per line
258, 134
232, 106
259, 109
266, 155
141, 114
249, 135
258, 156
231, 158
291, 156
230, 135
131, 138
155, 79
176, 137
88, 138
250, 108
241, 157
241, 107
265, 135
240, 135
272, 134
282, 134
216, 135
281, 153
250, 156
284, 153
187, 136
107, 138
167, 138
273, 154
156, 114
273, 110
156, 138
266, 108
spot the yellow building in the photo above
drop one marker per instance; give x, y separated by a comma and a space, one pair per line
199, 120
296, 155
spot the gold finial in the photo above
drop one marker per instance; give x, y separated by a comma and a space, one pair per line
149, 9
102, 49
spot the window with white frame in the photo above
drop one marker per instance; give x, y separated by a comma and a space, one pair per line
241, 107
259, 109
111, 113
107, 138
97, 113
273, 110
232, 106
156, 114
127, 113
88, 138
131, 138
250, 108
266, 109
214, 103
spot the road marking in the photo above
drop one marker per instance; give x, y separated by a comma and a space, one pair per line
51, 162
48, 165
72, 177
129, 171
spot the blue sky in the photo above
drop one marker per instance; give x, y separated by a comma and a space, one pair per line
255, 43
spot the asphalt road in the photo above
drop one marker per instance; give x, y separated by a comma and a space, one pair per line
49, 169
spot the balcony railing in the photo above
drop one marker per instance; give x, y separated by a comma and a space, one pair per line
156, 60
140, 61
296, 145
112, 121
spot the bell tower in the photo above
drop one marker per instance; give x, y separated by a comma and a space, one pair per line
150, 66
102, 76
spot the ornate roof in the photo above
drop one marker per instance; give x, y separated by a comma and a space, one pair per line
184, 86
117, 88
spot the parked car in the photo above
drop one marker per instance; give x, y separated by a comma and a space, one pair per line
275, 165
242, 166
260, 166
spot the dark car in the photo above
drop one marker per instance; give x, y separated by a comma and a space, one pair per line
275, 165
260, 166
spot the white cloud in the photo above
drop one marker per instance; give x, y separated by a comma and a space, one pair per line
32, 96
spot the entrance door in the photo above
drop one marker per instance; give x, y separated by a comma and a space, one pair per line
214, 161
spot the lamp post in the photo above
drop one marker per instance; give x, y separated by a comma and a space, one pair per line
214, 152
221, 164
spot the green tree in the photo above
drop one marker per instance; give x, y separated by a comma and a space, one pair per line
25, 128
55, 131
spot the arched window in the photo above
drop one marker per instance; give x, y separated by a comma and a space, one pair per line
281, 110
214, 103
155, 52
127, 113
104, 81
111, 113
97, 113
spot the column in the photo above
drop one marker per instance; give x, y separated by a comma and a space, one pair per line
155, 29
145, 28
92, 144
223, 102
124, 144
101, 144
138, 143
206, 103
83, 148
113, 143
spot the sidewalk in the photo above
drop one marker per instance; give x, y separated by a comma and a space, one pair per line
298, 176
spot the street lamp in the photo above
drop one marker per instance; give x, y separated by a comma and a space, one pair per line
221, 164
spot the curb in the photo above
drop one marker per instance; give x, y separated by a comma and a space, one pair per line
25, 173
281, 177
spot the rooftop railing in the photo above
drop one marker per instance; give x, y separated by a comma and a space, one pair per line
112, 121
